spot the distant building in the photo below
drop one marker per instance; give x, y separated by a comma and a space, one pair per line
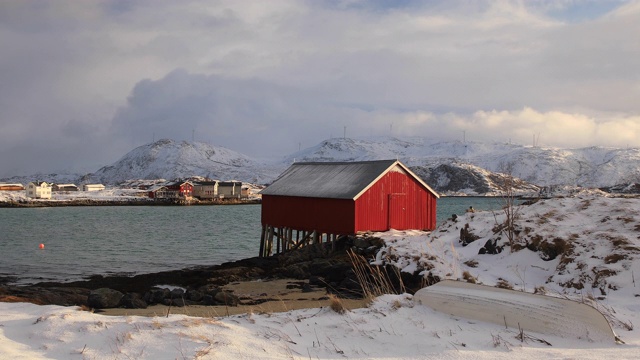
245, 192
230, 189
92, 187
11, 187
205, 190
64, 187
39, 190
157, 192
178, 191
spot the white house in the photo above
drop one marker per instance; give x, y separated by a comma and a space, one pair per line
205, 189
92, 187
39, 190
230, 189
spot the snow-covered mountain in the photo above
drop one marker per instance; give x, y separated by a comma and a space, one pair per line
171, 159
448, 166
589, 167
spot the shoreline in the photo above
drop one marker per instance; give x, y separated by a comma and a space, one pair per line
304, 278
124, 202
256, 296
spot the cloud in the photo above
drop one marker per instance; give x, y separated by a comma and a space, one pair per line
96, 79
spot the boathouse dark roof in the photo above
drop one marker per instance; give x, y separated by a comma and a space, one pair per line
332, 180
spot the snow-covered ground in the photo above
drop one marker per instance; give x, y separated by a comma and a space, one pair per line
109, 194
586, 249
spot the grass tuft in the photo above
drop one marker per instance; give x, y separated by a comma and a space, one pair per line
336, 304
375, 280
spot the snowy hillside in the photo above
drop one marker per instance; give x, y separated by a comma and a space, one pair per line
450, 167
590, 167
57, 178
170, 159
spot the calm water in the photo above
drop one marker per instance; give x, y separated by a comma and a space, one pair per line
82, 241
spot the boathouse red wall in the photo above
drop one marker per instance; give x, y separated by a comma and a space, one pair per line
395, 201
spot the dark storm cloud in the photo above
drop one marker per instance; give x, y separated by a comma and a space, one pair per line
247, 115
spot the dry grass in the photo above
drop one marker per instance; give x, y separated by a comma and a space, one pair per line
504, 284
471, 263
614, 258
336, 304
469, 278
375, 280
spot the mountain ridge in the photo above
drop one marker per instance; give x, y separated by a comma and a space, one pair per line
449, 166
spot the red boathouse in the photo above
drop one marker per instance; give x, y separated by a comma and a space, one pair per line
316, 200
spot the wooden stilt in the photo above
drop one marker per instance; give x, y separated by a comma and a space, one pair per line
270, 241
262, 240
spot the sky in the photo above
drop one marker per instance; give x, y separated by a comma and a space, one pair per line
83, 83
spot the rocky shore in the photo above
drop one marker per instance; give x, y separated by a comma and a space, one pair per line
314, 267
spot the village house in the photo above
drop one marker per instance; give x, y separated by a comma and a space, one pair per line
11, 187
39, 190
64, 187
230, 189
205, 190
93, 187
313, 201
177, 191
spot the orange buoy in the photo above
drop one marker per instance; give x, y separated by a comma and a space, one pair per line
41, 246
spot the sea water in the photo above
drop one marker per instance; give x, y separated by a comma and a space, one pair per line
83, 241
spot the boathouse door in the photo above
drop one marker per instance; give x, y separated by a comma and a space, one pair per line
397, 211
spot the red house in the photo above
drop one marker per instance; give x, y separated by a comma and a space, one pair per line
178, 191
344, 198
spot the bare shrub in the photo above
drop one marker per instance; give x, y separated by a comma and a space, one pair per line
471, 263
510, 208
469, 278
550, 249
375, 280
504, 284
614, 258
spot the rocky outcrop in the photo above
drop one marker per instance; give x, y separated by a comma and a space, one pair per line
104, 298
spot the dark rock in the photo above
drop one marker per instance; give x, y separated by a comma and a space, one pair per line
194, 295
179, 302
226, 298
306, 288
211, 290
336, 272
466, 236
208, 300
316, 281
132, 301
157, 296
104, 298
296, 271
177, 294
490, 247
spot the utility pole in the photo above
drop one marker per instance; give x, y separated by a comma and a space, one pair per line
345, 132
464, 136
